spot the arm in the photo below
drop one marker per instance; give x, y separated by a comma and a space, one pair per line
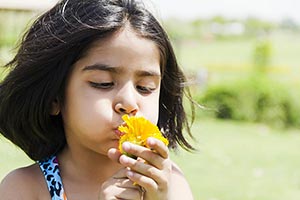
179, 187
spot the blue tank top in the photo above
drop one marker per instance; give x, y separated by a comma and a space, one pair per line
52, 176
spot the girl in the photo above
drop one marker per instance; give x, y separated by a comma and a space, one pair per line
79, 68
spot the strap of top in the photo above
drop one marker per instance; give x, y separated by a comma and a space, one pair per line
52, 176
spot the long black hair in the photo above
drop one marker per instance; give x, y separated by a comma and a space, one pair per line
50, 47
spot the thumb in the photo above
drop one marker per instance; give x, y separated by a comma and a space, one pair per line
114, 154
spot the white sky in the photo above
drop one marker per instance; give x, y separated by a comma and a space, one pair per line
274, 10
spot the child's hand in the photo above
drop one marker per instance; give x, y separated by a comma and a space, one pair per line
120, 187
152, 169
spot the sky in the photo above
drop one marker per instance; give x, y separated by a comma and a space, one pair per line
273, 10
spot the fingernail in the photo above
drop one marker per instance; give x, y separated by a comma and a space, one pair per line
126, 146
151, 141
129, 173
125, 159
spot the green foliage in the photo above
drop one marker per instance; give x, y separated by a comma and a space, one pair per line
256, 26
178, 29
12, 25
256, 99
262, 55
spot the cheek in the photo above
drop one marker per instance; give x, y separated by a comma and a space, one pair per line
101, 108
151, 110
88, 120
87, 109
91, 109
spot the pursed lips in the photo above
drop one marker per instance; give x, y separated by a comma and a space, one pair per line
118, 133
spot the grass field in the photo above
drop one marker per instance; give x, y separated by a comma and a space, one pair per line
243, 162
284, 51
235, 162
229, 59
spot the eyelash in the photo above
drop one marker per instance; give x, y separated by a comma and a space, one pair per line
145, 90
108, 85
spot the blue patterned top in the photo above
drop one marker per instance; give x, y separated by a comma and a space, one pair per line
52, 176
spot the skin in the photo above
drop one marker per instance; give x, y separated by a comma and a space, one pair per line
116, 76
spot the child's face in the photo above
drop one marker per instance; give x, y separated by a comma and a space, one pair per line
115, 76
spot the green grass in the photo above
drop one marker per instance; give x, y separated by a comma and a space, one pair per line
243, 162
236, 161
229, 59
197, 54
11, 157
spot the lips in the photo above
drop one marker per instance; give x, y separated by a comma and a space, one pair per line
118, 133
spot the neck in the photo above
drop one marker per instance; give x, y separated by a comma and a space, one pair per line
90, 167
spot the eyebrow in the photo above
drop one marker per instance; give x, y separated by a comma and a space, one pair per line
101, 67
147, 73
104, 67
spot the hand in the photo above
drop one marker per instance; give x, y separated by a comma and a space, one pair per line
152, 169
120, 187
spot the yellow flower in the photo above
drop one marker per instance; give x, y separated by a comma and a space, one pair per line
136, 130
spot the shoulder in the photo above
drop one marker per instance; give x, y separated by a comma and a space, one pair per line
176, 169
24, 183
180, 188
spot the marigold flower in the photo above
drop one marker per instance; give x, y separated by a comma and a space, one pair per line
137, 130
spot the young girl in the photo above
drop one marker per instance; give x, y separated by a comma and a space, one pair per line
81, 66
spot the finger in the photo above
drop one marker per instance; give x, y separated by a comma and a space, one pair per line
147, 183
129, 193
144, 169
126, 183
148, 155
158, 146
114, 154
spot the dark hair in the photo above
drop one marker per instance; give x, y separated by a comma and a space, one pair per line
45, 57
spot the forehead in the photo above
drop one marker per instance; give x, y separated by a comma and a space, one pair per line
123, 46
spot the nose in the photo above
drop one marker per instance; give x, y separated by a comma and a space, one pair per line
126, 100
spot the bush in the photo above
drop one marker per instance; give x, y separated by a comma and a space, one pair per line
262, 55
256, 99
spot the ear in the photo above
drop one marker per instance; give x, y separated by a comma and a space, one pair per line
55, 108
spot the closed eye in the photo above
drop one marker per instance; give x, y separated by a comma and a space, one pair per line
104, 85
144, 90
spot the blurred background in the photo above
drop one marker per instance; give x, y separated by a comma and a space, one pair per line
242, 59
